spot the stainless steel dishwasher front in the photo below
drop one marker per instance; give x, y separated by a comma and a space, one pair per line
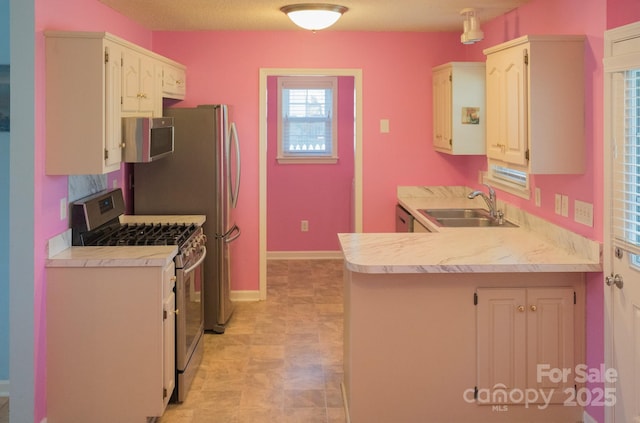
404, 220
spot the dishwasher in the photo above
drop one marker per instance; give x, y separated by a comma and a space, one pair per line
404, 220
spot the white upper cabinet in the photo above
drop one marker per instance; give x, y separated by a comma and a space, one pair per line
458, 108
83, 86
535, 104
139, 85
93, 79
174, 81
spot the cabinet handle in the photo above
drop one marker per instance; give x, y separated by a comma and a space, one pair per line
173, 279
520, 308
533, 307
123, 145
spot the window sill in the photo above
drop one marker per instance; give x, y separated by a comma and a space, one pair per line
307, 160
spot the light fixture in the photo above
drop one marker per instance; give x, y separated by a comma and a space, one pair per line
472, 32
314, 16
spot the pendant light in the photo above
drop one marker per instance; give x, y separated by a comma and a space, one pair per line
314, 16
471, 27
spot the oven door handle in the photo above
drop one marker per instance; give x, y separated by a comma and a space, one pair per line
196, 264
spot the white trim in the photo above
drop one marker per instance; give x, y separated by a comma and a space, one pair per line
262, 165
304, 255
245, 296
586, 418
4, 388
610, 38
343, 388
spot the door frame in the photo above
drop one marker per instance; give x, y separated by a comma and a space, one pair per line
611, 64
262, 171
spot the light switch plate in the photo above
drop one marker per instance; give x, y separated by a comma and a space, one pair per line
558, 204
63, 208
537, 196
565, 206
583, 212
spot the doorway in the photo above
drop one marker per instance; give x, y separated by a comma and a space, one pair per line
356, 207
622, 222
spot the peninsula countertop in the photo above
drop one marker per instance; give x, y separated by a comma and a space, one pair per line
534, 246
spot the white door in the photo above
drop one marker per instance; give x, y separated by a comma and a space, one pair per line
622, 220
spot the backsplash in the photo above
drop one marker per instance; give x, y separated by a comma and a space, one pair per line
81, 186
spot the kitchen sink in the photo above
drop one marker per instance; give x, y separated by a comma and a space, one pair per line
464, 218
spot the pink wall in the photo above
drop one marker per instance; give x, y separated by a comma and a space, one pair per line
396, 71
70, 15
224, 67
319, 193
622, 12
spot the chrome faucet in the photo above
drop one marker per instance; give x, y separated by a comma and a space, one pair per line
490, 200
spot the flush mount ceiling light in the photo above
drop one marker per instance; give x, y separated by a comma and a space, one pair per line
314, 16
472, 32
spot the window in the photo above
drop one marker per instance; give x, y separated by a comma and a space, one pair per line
626, 207
307, 130
507, 178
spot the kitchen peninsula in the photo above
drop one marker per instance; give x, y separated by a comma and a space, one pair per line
451, 325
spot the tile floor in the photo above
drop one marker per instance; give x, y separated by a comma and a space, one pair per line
279, 360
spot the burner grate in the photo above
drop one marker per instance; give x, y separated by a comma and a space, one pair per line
140, 234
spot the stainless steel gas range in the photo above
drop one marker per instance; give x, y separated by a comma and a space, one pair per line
96, 221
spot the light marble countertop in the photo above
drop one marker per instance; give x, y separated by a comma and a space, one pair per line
535, 246
123, 256
62, 254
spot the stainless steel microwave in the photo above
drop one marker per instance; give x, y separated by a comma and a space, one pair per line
146, 139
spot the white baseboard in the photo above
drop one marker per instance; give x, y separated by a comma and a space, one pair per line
304, 255
4, 388
245, 296
586, 418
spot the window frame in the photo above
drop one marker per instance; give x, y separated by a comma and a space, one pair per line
308, 82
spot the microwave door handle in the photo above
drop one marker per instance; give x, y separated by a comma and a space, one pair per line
236, 189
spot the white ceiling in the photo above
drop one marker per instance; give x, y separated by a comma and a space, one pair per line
265, 15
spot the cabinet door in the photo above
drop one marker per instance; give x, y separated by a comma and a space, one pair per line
169, 345
147, 84
550, 335
174, 82
138, 83
501, 324
169, 332
507, 106
442, 137
113, 90
520, 329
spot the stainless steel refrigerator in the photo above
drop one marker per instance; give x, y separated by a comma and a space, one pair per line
202, 176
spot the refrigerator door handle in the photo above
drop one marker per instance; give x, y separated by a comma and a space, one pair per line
235, 191
232, 234
227, 236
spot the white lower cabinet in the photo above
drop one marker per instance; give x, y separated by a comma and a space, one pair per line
110, 343
524, 337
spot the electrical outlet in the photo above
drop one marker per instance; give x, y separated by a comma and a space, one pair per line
63, 208
583, 212
537, 196
304, 226
565, 206
558, 204
384, 126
